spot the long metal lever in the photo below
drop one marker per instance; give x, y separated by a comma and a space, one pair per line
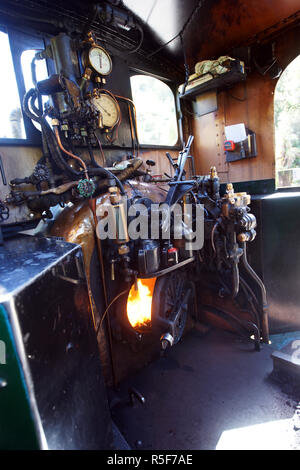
2, 172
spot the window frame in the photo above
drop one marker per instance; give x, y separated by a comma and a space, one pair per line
172, 86
20, 42
281, 189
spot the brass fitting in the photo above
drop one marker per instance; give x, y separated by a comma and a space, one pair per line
230, 193
243, 237
90, 38
213, 172
114, 194
87, 74
244, 199
123, 249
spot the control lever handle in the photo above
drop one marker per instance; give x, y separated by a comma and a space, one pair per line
171, 160
183, 157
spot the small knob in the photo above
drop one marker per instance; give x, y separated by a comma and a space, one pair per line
3, 383
166, 340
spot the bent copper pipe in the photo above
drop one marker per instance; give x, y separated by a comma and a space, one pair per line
82, 163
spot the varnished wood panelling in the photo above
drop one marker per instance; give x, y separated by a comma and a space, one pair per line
223, 25
159, 157
256, 112
250, 102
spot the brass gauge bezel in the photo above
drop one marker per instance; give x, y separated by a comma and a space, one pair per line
88, 62
97, 96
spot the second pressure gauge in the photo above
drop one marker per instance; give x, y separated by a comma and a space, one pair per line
108, 108
99, 60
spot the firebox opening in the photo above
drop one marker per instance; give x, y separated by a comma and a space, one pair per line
139, 303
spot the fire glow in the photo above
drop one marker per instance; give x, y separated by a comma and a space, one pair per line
139, 303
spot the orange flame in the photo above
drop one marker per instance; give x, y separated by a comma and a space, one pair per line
139, 303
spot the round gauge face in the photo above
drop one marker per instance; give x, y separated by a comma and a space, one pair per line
108, 109
100, 60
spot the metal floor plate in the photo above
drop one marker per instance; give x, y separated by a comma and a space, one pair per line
212, 391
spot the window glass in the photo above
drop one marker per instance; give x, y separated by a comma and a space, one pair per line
11, 118
287, 126
155, 108
40, 70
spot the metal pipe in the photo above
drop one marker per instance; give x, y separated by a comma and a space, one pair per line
48, 136
229, 318
82, 163
235, 279
256, 278
212, 236
103, 171
250, 296
92, 204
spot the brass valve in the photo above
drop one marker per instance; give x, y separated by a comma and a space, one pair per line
241, 199
213, 172
114, 194
90, 38
55, 122
87, 74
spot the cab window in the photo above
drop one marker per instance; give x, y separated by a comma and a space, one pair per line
11, 118
156, 112
287, 126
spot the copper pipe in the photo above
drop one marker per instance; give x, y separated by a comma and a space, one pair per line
56, 131
101, 150
131, 125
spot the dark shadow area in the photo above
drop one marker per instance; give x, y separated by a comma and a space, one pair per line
207, 384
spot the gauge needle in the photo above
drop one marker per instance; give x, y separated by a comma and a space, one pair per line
104, 110
100, 61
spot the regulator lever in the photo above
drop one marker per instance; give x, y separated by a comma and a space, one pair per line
171, 160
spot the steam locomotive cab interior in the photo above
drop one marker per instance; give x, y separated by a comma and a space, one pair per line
149, 229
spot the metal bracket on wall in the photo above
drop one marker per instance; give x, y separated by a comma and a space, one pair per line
245, 149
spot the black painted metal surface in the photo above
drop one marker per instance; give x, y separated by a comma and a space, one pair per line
43, 289
211, 391
275, 254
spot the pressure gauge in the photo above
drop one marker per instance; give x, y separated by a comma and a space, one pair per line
98, 59
108, 108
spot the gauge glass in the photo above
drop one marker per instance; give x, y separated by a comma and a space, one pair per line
100, 60
108, 108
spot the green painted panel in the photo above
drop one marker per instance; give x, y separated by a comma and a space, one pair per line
17, 430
